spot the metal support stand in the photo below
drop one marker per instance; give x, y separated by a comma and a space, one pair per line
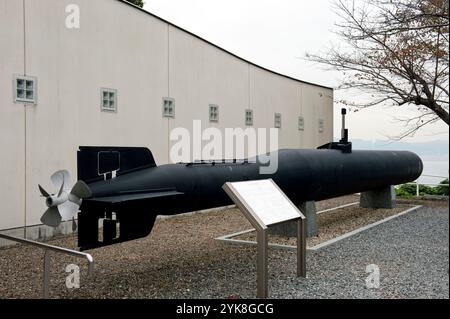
301, 248
262, 273
46, 286
261, 220
262, 265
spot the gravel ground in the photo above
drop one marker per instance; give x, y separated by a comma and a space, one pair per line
428, 202
335, 223
181, 259
335, 202
411, 251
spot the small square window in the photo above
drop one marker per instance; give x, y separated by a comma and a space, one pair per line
30, 85
248, 117
109, 100
277, 120
20, 84
301, 123
213, 113
168, 107
321, 126
25, 89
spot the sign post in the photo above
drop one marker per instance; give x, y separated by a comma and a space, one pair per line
264, 204
301, 247
262, 273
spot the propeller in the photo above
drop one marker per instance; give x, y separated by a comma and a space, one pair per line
63, 205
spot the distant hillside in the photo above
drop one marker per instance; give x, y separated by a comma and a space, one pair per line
433, 148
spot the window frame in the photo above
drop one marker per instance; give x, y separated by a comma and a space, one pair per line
321, 125
252, 117
172, 101
301, 119
24, 100
211, 119
278, 120
102, 99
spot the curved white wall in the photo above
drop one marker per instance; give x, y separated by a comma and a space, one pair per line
144, 59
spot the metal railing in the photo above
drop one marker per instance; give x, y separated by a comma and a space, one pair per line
47, 248
417, 183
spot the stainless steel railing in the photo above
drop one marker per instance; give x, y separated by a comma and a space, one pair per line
47, 265
417, 183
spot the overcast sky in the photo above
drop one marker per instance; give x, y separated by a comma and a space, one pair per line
276, 35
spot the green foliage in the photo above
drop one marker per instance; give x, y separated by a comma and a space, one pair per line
426, 190
139, 3
406, 190
443, 189
409, 190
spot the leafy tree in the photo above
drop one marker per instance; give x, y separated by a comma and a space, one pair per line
139, 3
442, 189
395, 51
409, 190
406, 190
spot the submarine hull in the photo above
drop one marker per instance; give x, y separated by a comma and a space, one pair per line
141, 192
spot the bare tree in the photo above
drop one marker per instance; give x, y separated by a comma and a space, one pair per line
139, 3
396, 51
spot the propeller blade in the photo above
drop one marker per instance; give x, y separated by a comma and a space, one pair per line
57, 179
61, 190
43, 192
81, 190
61, 178
68, 210
51, 217
67, 180
69, 204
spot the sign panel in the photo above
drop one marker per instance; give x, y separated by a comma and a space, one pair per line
265, 201
265, 204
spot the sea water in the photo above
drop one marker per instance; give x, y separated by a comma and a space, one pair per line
436, 166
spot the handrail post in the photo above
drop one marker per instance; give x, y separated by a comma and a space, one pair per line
47, 261
90, 266
47, 266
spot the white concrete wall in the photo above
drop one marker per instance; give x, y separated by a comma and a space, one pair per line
12, 117
144, 59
